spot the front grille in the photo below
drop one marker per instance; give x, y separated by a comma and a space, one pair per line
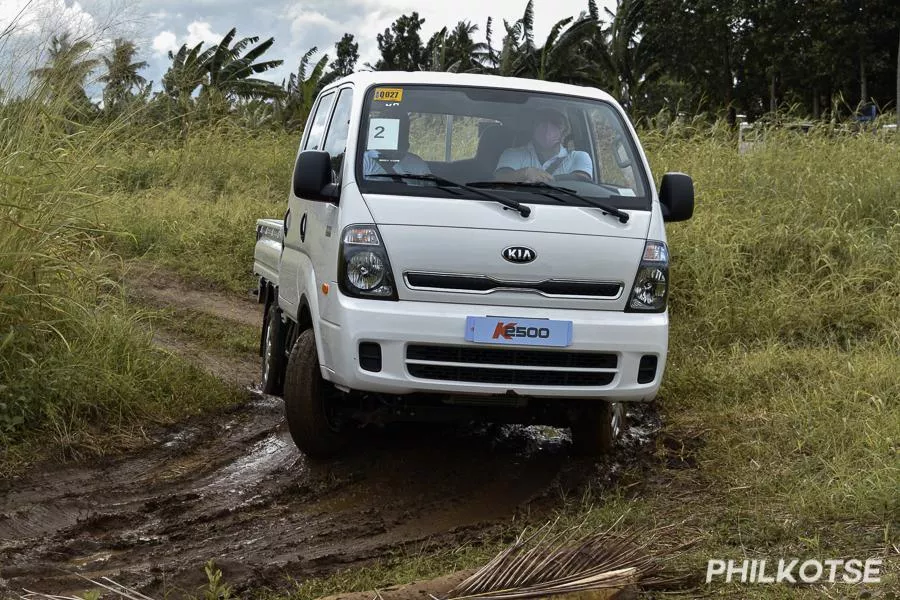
511, 356
511, 366
482, 284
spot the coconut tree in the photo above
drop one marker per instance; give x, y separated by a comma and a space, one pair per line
63, 77
121, 77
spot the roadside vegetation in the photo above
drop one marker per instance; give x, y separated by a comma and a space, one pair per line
781, 401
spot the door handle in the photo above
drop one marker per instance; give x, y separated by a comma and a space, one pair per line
303, 228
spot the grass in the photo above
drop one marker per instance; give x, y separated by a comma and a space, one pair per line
78, 372
188, 205
780, 400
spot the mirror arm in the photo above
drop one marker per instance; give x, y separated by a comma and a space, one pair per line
331, 192
664, 208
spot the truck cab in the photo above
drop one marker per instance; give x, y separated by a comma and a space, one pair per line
466, 247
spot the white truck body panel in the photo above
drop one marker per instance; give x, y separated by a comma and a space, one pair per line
464, 237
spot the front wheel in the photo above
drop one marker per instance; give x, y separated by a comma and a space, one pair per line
597, 428
309, 402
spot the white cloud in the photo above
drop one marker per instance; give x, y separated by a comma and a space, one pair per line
45, 17
201, 31
197, 32
303, 20
165, 42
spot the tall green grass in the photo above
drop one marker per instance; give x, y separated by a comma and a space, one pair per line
191, 205
78, 371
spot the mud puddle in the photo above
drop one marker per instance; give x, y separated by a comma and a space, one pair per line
240, 493
233, 488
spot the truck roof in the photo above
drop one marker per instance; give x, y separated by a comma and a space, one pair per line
368, 78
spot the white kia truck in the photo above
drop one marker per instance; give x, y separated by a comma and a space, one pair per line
466, 247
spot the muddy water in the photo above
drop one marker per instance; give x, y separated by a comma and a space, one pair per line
236, 490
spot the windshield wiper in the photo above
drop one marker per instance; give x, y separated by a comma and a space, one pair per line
541, 185
444, 182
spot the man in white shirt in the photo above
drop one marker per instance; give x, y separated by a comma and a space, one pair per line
544, 158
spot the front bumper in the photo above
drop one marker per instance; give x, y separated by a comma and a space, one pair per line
396, 325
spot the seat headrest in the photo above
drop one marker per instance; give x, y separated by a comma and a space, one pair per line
493, 141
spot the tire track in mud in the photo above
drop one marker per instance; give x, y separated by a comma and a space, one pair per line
232, 487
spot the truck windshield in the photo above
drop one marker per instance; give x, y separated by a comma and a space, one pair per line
479, 135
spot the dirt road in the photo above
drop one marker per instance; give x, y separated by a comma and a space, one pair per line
233, 488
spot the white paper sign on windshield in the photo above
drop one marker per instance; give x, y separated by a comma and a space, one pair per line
384, 134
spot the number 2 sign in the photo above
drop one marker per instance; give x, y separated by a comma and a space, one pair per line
383, 134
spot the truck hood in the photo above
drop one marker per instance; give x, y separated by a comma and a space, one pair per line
451, 250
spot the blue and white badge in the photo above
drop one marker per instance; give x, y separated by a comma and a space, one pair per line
510, 331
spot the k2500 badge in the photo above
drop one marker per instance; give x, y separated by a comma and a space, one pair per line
513, 330
516, 331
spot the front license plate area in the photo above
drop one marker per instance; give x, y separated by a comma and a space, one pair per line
510, 331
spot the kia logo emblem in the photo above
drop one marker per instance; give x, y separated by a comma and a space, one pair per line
519, 254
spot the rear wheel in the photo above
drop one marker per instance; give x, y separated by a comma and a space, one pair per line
272, 369
309, 402
597, 428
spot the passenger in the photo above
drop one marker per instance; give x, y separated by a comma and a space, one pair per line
399, 160
545, 158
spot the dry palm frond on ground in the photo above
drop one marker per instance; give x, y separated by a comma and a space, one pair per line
546, 564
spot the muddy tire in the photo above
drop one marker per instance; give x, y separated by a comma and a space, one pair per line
273, 360
597, 428
306, 399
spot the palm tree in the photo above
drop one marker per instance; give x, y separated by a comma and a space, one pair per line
63, 77
230, 73
301, 89
563, 57
121, 76
188, 71
223, 70
559, 59
456, 51
517, 56
623, 65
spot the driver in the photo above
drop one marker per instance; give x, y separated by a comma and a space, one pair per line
544, 158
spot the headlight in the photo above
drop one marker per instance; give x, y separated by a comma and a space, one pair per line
651, 284
363, 268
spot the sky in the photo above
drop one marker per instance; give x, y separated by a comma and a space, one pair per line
297, 25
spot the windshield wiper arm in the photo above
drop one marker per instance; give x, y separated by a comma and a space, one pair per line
444, 182
607, 209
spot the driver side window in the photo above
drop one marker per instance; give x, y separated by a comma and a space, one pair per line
336, 139
317, 122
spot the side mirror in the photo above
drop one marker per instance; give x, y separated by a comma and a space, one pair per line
676, 197
313, 176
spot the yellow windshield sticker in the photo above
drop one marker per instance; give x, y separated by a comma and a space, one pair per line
388, 94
